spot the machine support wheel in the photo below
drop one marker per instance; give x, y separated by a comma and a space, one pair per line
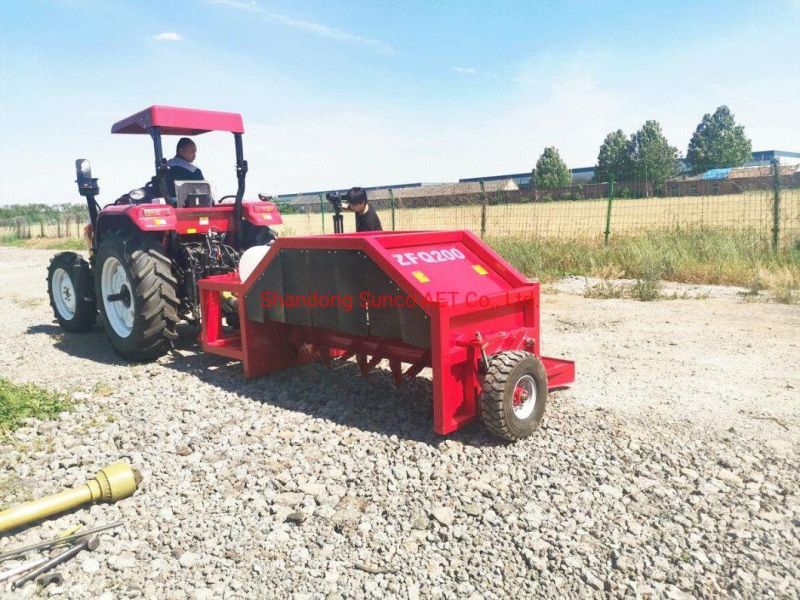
514, 395
136, 294
71, 292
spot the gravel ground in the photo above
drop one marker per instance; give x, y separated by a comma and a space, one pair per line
669, 469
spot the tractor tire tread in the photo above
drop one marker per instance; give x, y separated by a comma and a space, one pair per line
495, 395
154, 286
85, 309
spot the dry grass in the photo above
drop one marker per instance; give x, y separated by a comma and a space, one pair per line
781, 285
29, 303
702, 257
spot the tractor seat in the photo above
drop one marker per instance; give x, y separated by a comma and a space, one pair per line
193, 194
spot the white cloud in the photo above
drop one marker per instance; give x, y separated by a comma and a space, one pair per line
314, 28
168, 36
465, 70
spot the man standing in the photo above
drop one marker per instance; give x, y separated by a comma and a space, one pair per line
366, 218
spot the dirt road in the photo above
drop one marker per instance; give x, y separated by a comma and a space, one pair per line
669, 467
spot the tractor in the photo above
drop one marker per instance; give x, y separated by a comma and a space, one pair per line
150, 247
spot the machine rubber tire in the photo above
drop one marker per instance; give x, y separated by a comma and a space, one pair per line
152, 293
506, 371
79, 285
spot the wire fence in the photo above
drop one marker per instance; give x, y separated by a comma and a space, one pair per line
764, 205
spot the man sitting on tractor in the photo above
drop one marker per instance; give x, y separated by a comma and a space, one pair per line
181, 167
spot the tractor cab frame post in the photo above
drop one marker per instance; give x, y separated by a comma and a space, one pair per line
161, 162
241, 173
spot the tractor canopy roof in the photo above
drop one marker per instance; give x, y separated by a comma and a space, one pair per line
179, 121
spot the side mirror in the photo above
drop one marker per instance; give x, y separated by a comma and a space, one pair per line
87, 185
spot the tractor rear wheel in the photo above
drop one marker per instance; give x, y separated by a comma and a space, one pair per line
69, 286
136, 295
514, 395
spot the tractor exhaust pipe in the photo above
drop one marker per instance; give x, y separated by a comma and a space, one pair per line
112, 483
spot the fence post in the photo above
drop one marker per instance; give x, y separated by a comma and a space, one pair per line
483, 210
776, 205
322, 210
391, 204
608, 208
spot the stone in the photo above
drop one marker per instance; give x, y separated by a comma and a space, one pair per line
90, 566
443, 514
188, 559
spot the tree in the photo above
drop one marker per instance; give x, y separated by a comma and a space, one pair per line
613, 160
718, 142
551, 171
652, 158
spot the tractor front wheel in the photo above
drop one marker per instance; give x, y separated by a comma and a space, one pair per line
136, 294
69, 286
514, 395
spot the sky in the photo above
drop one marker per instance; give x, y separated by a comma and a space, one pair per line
336, 94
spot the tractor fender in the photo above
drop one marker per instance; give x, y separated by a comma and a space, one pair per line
261, 213
142, 217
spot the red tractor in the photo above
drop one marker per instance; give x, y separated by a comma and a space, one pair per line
149, 248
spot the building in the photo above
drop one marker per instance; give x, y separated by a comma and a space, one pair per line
411, 190
761, 158
514, 181
765, 157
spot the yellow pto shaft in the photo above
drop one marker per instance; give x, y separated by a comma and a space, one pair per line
113, 483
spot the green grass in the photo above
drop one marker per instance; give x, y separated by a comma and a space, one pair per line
647, 288
68, 243
711, 257
20, 402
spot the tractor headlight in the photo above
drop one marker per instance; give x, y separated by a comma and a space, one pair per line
137, 194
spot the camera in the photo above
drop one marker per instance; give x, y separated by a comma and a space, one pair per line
337, 200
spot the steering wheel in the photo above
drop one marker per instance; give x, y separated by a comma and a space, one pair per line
220, 201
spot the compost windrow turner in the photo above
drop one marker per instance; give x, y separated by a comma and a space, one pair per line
442, 300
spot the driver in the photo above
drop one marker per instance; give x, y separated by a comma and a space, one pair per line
181, 168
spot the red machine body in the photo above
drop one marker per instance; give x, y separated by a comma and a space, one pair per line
443, 300
173, 120
161, 217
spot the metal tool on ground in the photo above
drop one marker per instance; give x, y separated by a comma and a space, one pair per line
46, 579
57, 541
89, 544
14, 571
112, 483
438, 299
